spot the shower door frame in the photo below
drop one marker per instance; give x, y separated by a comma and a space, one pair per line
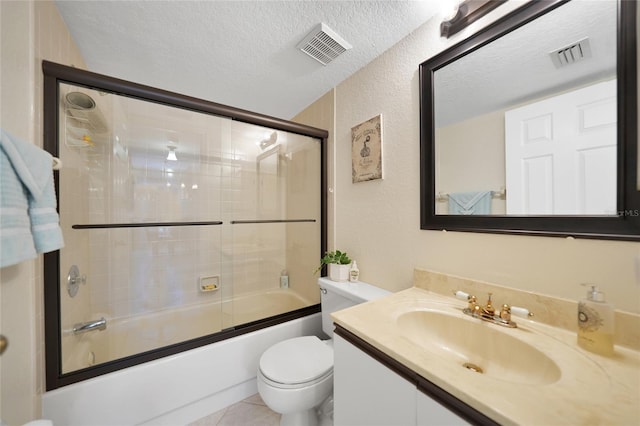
54, 74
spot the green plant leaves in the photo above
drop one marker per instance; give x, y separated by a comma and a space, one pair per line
338, 257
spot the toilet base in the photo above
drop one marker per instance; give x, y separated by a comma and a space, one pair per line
300, 418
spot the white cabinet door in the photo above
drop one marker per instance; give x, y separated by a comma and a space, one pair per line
432, 413
368, 393
561, 154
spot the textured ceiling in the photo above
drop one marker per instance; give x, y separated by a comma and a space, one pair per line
238, 53
517, 67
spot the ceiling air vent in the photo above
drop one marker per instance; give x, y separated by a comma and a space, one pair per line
323, 44
571, 54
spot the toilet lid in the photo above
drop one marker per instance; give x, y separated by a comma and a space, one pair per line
297, 360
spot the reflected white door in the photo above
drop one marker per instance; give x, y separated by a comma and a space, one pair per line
561, 154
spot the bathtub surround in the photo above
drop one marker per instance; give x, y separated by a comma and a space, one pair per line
129, 336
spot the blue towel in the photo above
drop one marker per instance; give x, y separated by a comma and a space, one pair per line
467, 203
29, 222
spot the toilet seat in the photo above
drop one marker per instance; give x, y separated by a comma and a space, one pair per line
297, 362
285, 386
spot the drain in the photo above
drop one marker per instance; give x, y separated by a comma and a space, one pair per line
472, 367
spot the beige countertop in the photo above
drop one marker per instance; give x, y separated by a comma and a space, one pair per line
590, 389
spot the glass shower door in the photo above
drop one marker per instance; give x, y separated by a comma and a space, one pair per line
275, 217
185, 222
140, 207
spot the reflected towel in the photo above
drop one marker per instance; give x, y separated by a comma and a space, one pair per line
468, 203
29, 222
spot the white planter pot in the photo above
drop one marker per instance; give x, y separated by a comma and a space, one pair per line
338, 272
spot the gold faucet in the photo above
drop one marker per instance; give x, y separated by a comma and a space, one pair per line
505, 312
489, 309
472, 303
488, 312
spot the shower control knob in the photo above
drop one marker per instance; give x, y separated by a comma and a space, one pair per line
74, 279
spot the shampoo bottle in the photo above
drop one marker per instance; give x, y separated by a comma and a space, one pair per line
595, 323
354, 272
284, 279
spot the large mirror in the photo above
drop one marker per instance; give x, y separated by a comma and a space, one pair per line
530, 125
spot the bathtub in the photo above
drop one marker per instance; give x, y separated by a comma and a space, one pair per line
136, 334
180, 388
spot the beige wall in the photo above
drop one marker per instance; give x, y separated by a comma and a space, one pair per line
17, 282
377, 222
473, 152
30, 32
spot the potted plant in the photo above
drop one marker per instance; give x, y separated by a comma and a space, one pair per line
338, 264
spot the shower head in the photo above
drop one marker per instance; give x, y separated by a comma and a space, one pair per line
79, 101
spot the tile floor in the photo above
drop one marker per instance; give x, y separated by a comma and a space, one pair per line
248, 412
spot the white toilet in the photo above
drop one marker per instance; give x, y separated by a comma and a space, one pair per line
295, 376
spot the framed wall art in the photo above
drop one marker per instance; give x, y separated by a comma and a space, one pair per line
366, 150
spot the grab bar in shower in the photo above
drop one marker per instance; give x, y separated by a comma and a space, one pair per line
83, 327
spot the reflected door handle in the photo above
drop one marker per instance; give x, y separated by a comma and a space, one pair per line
3, 344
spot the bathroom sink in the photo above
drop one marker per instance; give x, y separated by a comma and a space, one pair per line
480, 347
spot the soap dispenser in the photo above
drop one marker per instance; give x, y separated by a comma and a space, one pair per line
595, 323
354, 272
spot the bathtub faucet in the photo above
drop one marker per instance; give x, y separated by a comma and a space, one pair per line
83, 327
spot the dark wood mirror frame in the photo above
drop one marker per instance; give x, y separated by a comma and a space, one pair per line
624, 226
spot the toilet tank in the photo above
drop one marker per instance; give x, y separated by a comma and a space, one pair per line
335, 296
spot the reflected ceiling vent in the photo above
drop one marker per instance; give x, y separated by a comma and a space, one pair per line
323, 44
575, 52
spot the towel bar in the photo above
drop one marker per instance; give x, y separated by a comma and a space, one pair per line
442, 197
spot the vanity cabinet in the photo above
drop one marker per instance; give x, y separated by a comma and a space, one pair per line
368, 392
430, 412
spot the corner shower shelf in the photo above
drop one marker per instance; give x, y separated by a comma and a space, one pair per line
143, 225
